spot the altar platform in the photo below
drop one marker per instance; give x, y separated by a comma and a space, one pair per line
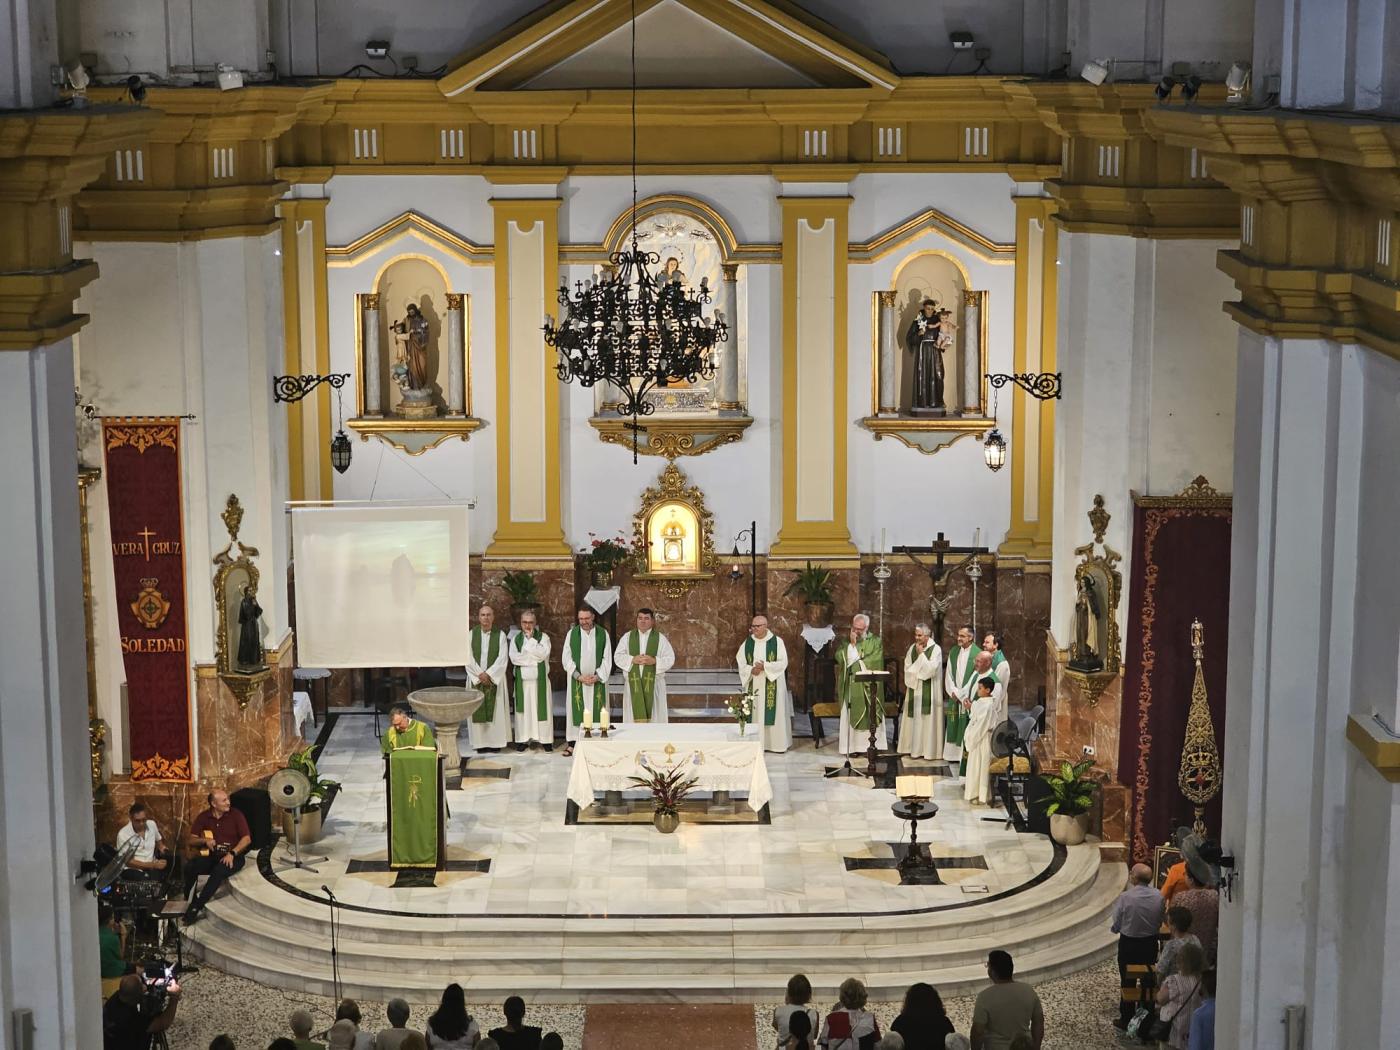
553, 911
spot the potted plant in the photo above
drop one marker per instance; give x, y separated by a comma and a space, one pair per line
1068, 804
524, 592
602, 557
668, 790
317, 807
814, 584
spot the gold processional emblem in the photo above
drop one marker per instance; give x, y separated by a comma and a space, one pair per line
150, 605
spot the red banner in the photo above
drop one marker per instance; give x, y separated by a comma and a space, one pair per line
148, 559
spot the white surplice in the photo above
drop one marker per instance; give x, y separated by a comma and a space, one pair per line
955, 668
858, 740
665, 660
528, 724
778, 736
495, 733
587, 664
921, 735
977, 741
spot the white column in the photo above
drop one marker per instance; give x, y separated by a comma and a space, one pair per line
48, 922
729, 349
369, 339
889, 353
456, 372
972, 352
1314, 637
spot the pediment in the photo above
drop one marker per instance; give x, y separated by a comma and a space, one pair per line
583, 45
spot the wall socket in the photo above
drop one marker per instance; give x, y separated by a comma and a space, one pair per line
1089, 751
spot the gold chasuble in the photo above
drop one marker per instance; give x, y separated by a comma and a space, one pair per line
413, 796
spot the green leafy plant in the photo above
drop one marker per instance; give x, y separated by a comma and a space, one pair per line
813, 583
1070, 792
668, 789
303, 762
521, 587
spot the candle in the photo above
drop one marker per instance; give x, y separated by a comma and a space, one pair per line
977, 536
883, 548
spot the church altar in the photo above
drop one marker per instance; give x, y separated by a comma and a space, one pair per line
716, 755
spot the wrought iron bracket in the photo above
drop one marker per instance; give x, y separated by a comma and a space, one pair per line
294, 388
1040, 385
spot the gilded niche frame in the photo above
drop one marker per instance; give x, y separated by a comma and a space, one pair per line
234, 571
1096, 579
672, 491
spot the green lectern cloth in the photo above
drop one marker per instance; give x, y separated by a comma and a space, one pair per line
413, 807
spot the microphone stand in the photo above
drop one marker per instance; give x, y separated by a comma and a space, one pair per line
335, 956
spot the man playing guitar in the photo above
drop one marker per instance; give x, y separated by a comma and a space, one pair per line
219, 836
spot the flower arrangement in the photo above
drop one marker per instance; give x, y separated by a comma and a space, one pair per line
668, 789
741, 708
606, 555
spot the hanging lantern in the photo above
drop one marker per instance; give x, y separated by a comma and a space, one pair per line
994, 449
340, 452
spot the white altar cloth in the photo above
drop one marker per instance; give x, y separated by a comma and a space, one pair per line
715, 755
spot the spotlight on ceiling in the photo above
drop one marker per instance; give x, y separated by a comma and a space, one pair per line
1190, 88
1237, 81
377, 49
135, 90
961, 40
1165, 87
1095, 72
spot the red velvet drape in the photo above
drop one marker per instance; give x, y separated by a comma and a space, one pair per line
1180, 572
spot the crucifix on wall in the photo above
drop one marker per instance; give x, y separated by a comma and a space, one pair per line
941, 570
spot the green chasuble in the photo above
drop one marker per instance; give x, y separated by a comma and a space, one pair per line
926, 686
641, 678
542, 679
853, 694
956, 717
413, 796
600, 688
487, 711
770, 687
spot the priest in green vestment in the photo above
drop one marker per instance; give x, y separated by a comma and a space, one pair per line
861, 651
587, 660
411, 751
958, 694
921, 728
644, 655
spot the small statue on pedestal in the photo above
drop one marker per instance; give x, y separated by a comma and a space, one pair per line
1085, 653
410, 368
250, 650
924, 342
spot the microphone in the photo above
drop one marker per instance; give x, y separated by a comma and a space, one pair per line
327, 891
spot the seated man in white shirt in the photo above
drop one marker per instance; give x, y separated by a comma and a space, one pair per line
150, 859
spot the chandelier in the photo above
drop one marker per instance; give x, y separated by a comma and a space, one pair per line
630, 329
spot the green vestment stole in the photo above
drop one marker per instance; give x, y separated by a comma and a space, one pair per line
952, 708
542, 681
641, 678
770, 686
600, 687
870, 651
926, 704
487, 710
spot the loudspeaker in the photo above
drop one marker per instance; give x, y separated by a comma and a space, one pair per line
1036, 791
256, 807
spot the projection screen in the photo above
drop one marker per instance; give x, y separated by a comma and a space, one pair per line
381, 585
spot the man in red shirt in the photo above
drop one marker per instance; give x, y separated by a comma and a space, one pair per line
221, 835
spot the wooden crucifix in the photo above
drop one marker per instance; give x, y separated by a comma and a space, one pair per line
940, 574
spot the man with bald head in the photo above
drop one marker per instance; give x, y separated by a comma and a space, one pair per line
1137, 918
860, 702
130, 1017
220, 839
488, 663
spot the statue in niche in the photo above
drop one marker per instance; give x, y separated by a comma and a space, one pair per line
1087, 652
924, 340
250, 650
410, 368
672, 272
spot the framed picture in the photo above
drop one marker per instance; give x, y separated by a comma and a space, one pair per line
1163, 857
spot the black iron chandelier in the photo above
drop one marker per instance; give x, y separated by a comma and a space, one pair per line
630, 329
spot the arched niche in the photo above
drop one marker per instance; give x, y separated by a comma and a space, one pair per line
421, 281
936, 275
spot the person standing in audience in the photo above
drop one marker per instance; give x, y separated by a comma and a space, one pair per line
850, 1026
394, 1037
922, 1021
1180, 994
798, 1000
451, 1027
1201, 1035
341, 1036
1007, 1009
516, 1034
1203, 902
1179, 922
222, 1042
349, 1010
300, 1023
552, 1041
1137, 918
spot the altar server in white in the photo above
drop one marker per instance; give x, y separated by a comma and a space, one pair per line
644, 655
763, 664
957, 691
921, 728
532, 701
488, 663
587, 660
977, 741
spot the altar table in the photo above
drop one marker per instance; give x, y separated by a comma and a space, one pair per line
715, 755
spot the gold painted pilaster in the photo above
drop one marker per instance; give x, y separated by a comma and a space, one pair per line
519, 538
1029, 536
804, 536
297, 298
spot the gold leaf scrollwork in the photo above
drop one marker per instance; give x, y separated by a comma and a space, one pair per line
142, 436
1200, 775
